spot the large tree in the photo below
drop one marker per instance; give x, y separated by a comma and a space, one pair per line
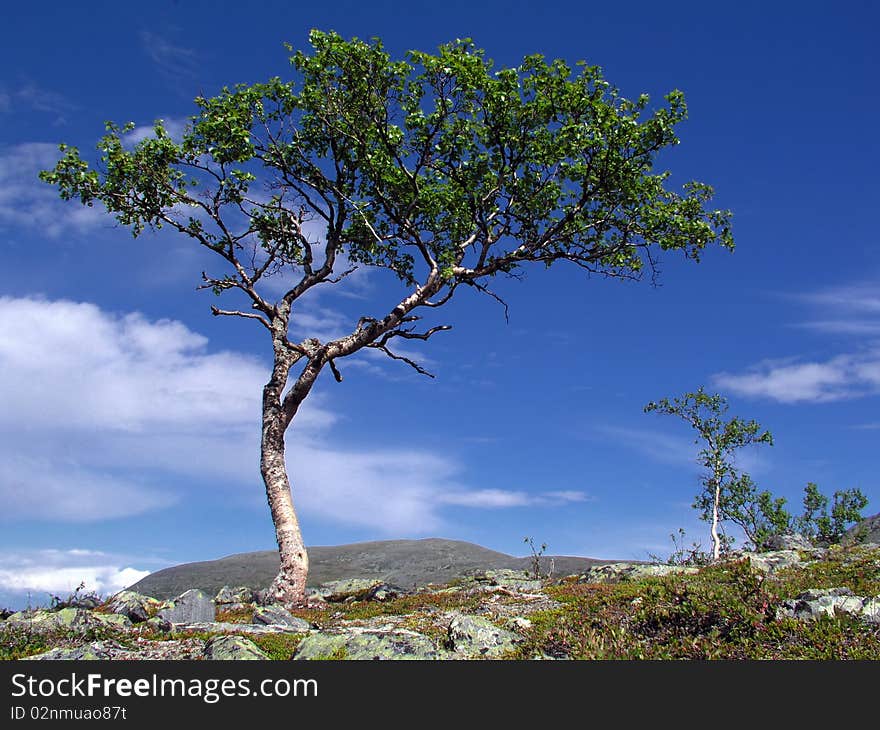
436, 167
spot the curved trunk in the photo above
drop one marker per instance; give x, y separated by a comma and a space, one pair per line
289, 586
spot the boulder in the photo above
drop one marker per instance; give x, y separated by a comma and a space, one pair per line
789, 541
90, 652
233, 647
74, 619
624, 572
135, 606
214, 627
519, 581
771, 562
352, 589
357, 643
193, 606
476, 636
275, 615
818, 602
234, 598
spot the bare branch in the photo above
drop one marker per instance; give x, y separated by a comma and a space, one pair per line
485, 290
247, 315
336, 374
414, 365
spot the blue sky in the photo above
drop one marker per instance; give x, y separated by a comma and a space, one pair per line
129, 416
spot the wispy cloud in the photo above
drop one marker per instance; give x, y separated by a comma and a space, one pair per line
31, 97
844, 311
657, 445
27, 202
838, 378
499, 498
177, 63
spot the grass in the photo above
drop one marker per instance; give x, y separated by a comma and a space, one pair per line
725, 611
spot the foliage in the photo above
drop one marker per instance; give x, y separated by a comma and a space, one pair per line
437, 167
80, 598
279, 647
725, 611
726, 491
826, 529
682, 555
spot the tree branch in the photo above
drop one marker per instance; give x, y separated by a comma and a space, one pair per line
247, 315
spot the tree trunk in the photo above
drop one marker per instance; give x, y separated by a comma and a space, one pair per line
716, 541
289, 586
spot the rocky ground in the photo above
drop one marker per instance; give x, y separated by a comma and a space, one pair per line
763, 605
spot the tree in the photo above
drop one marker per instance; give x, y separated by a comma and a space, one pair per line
816, 524
434, 167
726, 491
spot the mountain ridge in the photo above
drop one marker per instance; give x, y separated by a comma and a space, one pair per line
405, 563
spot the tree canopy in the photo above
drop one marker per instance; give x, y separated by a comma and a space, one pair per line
436, 167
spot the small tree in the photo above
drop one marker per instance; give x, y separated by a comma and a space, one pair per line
436, 167
818, 525
725, 489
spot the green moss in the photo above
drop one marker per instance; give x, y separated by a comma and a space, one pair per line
279, 647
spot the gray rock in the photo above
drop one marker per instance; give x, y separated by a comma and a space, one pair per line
818, 602
476, 636
237, 596
357, 643
190, 607
790, 541
233, 647
74, 619
623, 572
157, 623
276, 615
519, 581
352, 589
214, 627
95, 650
135, 606
771, 562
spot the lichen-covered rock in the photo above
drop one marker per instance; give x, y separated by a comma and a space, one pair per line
476, 636
789, 541
232, 598
135, 606
190, 607
357, 643
774, 561
276, 615
74, 619
818, 602
95, 650
233, 647
623, 572
351, 589
519, 581
214, 627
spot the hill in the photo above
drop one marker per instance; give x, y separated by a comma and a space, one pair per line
405, 563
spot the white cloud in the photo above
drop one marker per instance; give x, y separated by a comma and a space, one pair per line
100, 408
60, 572
175, 127
27, 202
840, 377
